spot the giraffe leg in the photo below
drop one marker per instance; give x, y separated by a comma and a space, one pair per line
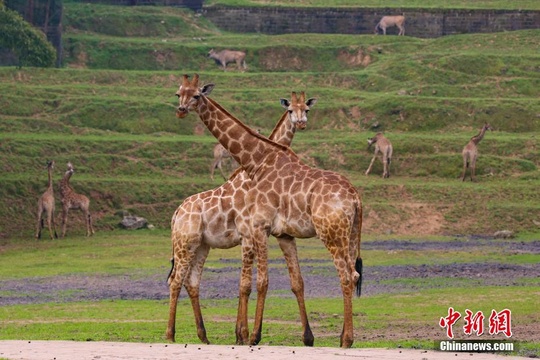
65, 211
90, 230
473, 169
347, 285
54, 224
371, 163
222, 172
215, 164
193, 281
242, 328
184, 247
49, 223
336, 238
288, 246
39, 225
261, 234
465, 166
385, 167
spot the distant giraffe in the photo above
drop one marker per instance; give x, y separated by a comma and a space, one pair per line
73, 201
287, 199
383, 146
470, 152
46, 205
209, 220
220, 154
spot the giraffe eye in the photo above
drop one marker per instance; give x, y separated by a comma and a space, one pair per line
290, 111
178, 95
307, 110
196, 97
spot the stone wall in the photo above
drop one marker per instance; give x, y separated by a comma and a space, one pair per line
425, 23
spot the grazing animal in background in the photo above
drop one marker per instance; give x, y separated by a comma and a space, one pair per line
470, 152
383, 146
210, 219
73, 201
220, 154
287, 199
46, 205
389, 21
225, 57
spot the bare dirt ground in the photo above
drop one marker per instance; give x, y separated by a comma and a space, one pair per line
222, 283
69, 350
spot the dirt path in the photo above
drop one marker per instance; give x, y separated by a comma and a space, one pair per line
69, 350
319, 276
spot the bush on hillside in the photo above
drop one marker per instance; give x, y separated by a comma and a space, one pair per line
28, 43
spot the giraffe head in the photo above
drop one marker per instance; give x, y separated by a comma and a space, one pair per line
298, 109
189, 95
373, 140
70, 168
50, 164
487, 127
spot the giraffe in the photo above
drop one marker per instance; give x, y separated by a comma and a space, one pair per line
208, 220
71, 200
470, 152
383, 146
220, 153
46, 205
287, 199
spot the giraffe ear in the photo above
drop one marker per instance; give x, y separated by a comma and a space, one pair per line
311, 102
207, 89
285, 103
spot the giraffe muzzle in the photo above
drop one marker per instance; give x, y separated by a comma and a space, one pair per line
301, 125
181, 112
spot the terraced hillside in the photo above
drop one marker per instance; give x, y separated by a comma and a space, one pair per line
111, 113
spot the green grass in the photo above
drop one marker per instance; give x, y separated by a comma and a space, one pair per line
406, 320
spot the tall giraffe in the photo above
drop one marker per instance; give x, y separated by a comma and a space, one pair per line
73, 201
470, 152
383, 146
46, 205
209, 220
287, 199
220, 153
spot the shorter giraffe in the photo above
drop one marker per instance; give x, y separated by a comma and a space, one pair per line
220, 154
46, 205
383, 146
73, 201
470, 152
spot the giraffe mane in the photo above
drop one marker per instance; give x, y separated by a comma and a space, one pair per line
247, 128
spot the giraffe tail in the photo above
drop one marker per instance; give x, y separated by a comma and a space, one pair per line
171, 272
359, 266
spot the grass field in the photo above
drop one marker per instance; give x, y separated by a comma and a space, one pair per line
403, 318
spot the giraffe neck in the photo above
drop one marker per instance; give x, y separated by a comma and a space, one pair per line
244, 144
476, 139
64, 183
284, 131
50, 184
